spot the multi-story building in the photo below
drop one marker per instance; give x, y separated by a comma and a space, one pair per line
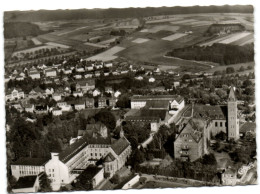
64, 167
50, 73
85, 85
35, 75
90, 102
14, 94
174, 102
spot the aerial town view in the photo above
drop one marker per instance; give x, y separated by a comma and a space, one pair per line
131, 98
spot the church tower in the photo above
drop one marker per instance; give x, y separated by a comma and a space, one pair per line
233, 121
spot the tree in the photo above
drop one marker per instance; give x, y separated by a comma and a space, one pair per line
45, 183
115, 179
230, 70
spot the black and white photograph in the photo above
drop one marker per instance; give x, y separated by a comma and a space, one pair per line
129, 98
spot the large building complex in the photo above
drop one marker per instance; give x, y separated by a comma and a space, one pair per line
62, 168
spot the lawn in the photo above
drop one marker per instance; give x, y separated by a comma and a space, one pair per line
160, 184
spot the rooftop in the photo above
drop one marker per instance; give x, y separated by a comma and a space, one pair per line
210, 112
25, 182
31, 161
157, 97
120, 145
248, 127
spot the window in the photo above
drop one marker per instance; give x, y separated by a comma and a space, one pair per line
216, 124
221, 124
52, 170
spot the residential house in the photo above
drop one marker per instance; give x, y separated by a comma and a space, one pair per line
67, 71
229, 177
77, 93
14, 94
79, 105
96, 92
85, 85
88, 75
36, 93
64, 106
109, 90
28, 107
56, 111
102, 102
89, 67
50, 72
90, 102
108, 65
56, 96
41, 109
34, 75
19, 78
49, 91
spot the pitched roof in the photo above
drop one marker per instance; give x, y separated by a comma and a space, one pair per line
146, 114
120, 145
232, 96
138, 98
248, 127
90, 172
109, 157
25, 182
156, 104
210, 112
31, 161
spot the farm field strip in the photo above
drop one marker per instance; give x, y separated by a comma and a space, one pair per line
164, 20
215, 40
57, 45
235, 37
160, 28
33, 49
106, 42
247, 42
174, 36
184, 21
74, 30
95, 45
36, 41
107, 55
140, 40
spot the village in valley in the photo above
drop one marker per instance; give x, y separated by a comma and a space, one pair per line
116, 99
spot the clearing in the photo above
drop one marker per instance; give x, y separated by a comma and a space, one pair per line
107, 55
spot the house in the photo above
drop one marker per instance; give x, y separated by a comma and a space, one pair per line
50, 72
80, 69
29, 108
112, 102
49, 91
96, 92
78, 76
102, 102
106, 74
188, 145
139, 78
27, 184
108, 65
151, 80
176, 83
7, 78
85, 85
158, 89
56, 111
99, 66
248, 129
97, 73
229, 177
90, 102
14, 94
36, 93
77, 93
79, 105
67, 71
34, 75
117, 94
18, 107
89, 67
64, 106
56, 96
109, 89
88, 75
41, 66
41, 109
19, 78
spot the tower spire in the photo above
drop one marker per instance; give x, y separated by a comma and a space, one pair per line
232, 96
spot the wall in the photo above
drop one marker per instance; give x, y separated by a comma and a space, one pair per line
130, 183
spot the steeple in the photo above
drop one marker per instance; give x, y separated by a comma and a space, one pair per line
232, 96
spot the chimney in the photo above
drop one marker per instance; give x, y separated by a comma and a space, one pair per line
54, 156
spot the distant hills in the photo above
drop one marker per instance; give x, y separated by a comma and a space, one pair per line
21, 29
52, 15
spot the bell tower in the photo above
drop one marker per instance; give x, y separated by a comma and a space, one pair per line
233, 121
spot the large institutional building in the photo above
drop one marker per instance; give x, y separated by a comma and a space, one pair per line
64, 167
203, 123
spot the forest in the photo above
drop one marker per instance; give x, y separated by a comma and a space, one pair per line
224, 54
21, 29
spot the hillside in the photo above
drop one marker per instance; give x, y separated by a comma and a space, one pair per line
21, 29
52, 15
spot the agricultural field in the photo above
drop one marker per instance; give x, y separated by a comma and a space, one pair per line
174, 36
107, 55
140, 40
33, 49
36, 41
240, 38
155, 29
57, 45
